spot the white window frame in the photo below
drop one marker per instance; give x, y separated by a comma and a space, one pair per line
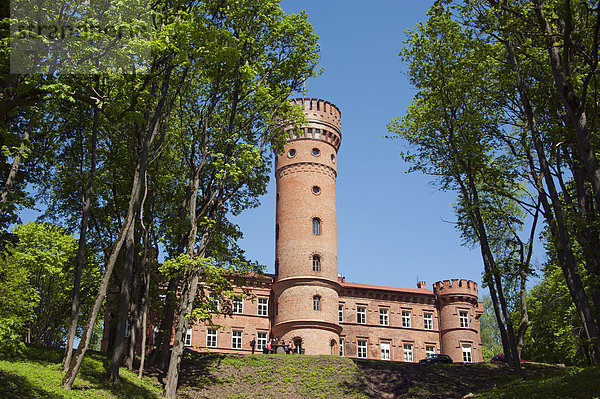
341, 312
361, 348
211, 338
408, 352
342, 349
406, 319
317, 303
236, 339
361, 314
384, 316
385, 350
237, 306
263, 306
467, 354
429, 350
428, 321
187, 340
316, 263
261, 340
463, 317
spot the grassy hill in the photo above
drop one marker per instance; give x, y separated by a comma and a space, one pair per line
37, 375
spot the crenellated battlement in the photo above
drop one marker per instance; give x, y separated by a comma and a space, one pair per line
316, 108
455, 287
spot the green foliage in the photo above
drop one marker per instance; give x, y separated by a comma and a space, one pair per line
490, 335
556, 334
36, 279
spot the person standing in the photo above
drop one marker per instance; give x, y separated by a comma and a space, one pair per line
253, 344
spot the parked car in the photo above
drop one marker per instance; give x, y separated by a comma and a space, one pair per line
501, 358
436, 358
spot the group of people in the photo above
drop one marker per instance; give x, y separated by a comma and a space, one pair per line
273, 345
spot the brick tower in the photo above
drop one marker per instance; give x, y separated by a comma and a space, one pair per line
459, 314
306, 287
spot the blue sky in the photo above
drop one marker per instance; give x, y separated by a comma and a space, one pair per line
391, 225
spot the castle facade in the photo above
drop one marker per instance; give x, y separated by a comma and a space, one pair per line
308, 303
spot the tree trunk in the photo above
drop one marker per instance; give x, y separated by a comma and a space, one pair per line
121, 340
188, 294
14, 168
574, 107
557, 224
85, 214
134, 206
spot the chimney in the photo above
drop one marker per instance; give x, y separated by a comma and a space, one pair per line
422, 285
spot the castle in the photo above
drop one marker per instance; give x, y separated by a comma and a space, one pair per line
306, 302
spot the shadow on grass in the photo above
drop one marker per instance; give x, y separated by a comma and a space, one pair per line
92, 376
198, 369
16, 387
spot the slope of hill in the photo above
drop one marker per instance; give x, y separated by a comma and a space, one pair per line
37, 374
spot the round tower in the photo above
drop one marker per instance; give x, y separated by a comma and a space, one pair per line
459, 313
306, 287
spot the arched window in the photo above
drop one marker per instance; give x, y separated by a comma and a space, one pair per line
316, 263
316, 226
316, 302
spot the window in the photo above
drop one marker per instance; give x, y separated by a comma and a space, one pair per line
466, 352
316, 226
188, 337
211, 338
341, 312
429, 350
237, 305
463, 315
361, 315
316, 189
261, 341
408, 352
316, 263
428, 321
316, 302
332, 158
263, 306
236, 340
316, 152
384, 317
362, 349
406, 318
292, 153
385, 351
341, 346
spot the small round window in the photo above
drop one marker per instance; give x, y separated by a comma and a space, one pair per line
316, 189
316, 152
292, 153
332, 158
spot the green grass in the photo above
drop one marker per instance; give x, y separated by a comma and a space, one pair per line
565, 383
38, 374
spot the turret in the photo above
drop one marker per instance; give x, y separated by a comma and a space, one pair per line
459, 314
306, 285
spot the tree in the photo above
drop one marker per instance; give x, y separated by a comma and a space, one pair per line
490, 334
38, 270
454, 130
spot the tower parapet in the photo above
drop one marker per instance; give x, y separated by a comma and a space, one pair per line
455, 287
459, 314
323, 122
